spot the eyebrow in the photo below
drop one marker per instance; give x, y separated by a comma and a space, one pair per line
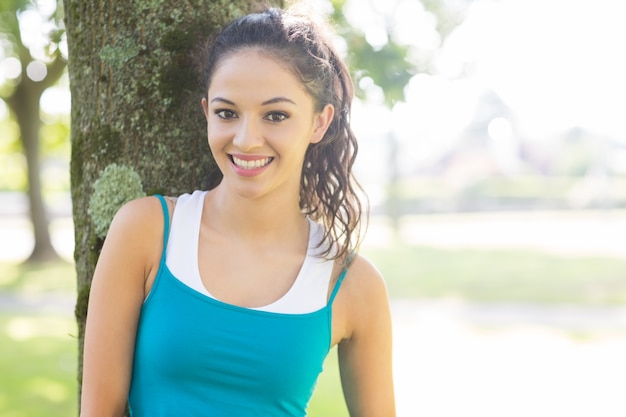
222, 100
265, 103
278, 100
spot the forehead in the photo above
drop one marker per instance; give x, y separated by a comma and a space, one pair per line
254, 73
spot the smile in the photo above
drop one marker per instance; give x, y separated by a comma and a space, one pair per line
251, 164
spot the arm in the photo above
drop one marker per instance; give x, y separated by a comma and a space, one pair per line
129, 257
365, 356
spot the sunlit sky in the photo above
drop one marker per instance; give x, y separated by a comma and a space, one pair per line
557, 64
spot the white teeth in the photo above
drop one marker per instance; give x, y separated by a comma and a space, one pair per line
257, 163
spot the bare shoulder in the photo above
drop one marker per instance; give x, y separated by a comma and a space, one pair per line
136, 235
365, 281
139, 213
363, 299
138, 219
365, 350
128, 261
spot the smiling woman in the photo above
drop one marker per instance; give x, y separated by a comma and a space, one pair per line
227, 301
260, 122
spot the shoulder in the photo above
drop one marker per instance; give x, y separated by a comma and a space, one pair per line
365, 350
363, 295
140, 213
133, 246
364, 277
138, 229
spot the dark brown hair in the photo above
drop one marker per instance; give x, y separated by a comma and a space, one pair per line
328, 191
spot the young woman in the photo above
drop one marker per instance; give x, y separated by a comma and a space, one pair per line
226, 302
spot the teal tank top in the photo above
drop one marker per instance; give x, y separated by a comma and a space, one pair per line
196, 356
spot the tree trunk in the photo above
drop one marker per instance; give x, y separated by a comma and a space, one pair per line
25, 105
24, 102
136, 102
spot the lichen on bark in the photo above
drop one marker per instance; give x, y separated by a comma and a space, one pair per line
116, 186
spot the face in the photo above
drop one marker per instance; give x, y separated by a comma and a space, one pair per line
260, 121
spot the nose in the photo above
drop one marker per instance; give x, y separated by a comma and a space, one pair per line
248, 135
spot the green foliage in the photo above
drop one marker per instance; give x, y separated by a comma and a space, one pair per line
22, 95
12, 172
12, 161
116, 186
11, 38
389, 66
54, 143
393, 76
449, 14
8, 19
54, 135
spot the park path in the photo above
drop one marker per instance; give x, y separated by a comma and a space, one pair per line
509, 361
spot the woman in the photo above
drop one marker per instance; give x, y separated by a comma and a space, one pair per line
226, 302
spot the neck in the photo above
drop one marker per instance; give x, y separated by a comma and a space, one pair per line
274, 218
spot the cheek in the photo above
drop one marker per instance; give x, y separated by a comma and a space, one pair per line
216, 146
216, 134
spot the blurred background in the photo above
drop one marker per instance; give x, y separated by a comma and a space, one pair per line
493, 151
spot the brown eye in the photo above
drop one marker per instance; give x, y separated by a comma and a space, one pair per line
225, 114
277, 117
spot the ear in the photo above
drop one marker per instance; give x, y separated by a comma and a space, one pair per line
321, 123
205, 107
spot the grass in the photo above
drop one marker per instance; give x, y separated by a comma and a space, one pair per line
40, 278
501, 275
327, 401
38, 352
38, 362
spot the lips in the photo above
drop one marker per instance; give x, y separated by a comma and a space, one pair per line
253, 163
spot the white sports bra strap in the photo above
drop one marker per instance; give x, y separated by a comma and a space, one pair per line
308, 293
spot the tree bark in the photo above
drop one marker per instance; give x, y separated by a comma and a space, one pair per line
136, 102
